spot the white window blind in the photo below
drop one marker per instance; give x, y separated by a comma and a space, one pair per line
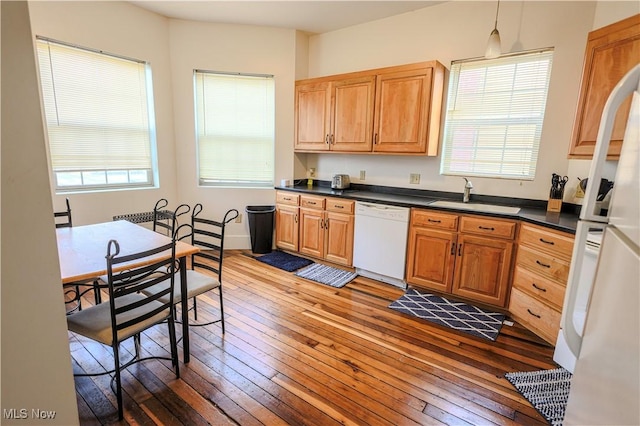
99, 117
235, 119
495, 112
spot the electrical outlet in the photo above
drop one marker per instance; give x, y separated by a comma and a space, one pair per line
312, 172
239, 218
363, 174
414, 178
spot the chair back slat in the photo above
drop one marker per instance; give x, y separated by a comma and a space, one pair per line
167, 219
208, 234
156, 272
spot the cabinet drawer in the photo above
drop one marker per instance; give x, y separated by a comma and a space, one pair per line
536, 315
556, 243
491, 227
544, 264
312, 202
340, 206
543, 289
283, 197
434, 220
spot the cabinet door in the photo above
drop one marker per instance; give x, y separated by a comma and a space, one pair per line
312, 116
482, 269
339, 238
352, 112
430, 258
287, 227
611, 52
311, 232
402, 111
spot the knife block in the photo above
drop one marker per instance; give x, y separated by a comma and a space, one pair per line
554, 205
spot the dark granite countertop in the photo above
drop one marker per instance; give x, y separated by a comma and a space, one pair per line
533, 211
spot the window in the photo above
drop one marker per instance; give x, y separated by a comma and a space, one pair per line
235, 122
99, 117
495, 112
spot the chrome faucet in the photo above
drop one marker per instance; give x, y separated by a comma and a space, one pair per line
468, 186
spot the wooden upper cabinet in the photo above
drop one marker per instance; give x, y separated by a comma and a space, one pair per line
611, 52
312, 116
402, 111
393, 110
352, 113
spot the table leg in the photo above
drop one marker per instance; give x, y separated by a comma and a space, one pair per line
185, 309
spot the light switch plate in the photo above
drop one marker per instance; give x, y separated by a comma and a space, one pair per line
414, 178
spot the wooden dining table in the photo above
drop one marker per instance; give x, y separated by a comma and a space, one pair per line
83, 249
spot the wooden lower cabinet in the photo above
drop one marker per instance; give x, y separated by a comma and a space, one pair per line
287, 227
540, 279
320, 227
430, 260
338, 246
462, 263
311, 240
482, 269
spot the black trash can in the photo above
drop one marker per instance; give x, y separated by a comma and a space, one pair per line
261, 227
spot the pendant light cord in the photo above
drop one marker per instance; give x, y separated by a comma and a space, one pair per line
495, 26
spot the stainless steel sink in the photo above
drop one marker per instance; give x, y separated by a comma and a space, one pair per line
479, 207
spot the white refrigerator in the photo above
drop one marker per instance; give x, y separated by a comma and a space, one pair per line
599, 339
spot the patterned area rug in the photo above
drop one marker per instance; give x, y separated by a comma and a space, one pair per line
328, 275
284, 261
457, 315
546, 390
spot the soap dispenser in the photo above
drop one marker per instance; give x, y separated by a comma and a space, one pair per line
468, 186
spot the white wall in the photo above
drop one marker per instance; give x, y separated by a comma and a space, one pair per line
127, 30
458, 30
230, 48
36, 364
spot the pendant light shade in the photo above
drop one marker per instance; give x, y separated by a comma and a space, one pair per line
493, 45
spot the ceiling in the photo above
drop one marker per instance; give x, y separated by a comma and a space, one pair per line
309, 16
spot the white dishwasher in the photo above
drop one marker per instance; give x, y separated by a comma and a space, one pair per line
380, 242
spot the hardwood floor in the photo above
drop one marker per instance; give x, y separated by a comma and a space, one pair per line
301, 353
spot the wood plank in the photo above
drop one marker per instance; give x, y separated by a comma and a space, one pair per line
298, 352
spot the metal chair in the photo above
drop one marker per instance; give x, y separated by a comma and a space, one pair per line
208, 235
165, 221
63, 218
139, 298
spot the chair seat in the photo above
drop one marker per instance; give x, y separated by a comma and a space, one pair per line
197, 283
95, 322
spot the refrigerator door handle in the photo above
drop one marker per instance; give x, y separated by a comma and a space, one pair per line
568, 328
626, 86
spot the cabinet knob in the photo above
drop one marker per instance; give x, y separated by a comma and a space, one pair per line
326, 139
375, 139
460, 250
485, 228
434, 221
453, 249
547, 242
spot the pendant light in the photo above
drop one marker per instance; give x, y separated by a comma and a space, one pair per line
493, 45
